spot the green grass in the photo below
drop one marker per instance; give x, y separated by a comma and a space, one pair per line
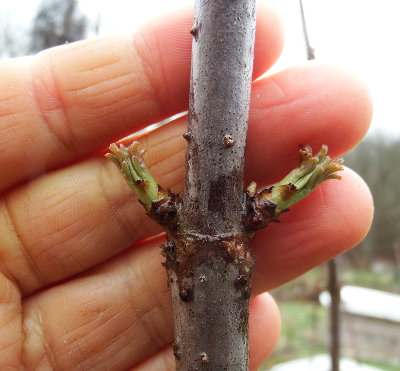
383, 366
305, 323
385, 281
303, 332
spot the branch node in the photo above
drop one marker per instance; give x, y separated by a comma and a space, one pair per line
268, 204
228, 141
204, 357
194, 31
161, 205
187, 135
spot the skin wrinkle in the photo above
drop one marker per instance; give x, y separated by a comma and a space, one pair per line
105, 82
83, 345
291, 130
171, 140
37, 334
133, 232
119, 212
60, 128
108, 318
85, 240
12, 106
57, 108
10, 309
162, 77
27, 142
9, 115
171, 177
177, 186
118, 102
48, 251
280, 81
141, 312
69, 208
155, 337
8, 98
103, 64
108, 239
120, 107
283, 99
130, 230
100, 66
110, 96
60, 158
60, 106
159, 136
33, 268
110, 358
160, 143
163, 359
139, 39
145, 315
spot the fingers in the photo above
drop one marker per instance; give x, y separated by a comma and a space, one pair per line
118, 316
72, 219
264, 331
10, 325
113, 317
71, 101
87, 212
331, 220
95, 306
311, 104
265, 326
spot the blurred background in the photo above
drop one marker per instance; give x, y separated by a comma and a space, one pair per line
361, 35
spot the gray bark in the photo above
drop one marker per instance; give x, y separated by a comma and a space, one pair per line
208, 254
209, 262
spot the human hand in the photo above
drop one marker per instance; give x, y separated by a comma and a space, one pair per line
81, 285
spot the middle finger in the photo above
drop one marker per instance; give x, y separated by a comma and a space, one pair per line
87, 213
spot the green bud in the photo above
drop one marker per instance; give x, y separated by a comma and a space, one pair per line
311, 172
134, 170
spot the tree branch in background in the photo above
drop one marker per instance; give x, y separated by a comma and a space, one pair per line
56, 23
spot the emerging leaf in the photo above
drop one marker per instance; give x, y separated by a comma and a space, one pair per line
268, 204
311, 172
134, 170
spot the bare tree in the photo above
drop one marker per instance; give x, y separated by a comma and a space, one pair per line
375, 159
57, 22
13, 40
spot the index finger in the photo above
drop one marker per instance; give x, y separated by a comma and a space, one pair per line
70, 101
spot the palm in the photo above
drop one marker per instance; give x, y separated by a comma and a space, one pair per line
80, 288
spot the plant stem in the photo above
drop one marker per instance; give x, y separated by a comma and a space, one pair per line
210, 274
215, 263
208, 254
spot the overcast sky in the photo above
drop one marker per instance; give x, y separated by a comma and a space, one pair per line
362, 35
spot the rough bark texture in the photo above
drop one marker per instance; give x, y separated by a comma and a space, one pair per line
209, 260
210, 273
222, 61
